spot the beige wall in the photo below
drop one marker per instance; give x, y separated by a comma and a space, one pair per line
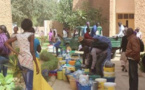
140, 16
5, 14
112, 19
125, 6
54, 25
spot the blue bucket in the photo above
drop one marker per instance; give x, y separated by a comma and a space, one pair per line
80, 87
110, 79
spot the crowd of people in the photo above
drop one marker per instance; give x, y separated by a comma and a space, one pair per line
97, 50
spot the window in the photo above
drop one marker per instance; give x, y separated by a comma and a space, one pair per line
131, 16
125, 16
120, 16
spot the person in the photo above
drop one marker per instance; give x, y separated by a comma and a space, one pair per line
99, 54
68, 48
50, 37
64, 34
99, 29
133, 56
94, 30
15, 44
87, 35
138, 33
4, 51
26, 56
106, 40
85, 46
85, 28
37, 46
121, 28
123, 57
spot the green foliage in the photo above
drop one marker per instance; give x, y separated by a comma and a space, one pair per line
13, 66
36, 10
6, 83
142, 67
18, 88
51, 62
45, 55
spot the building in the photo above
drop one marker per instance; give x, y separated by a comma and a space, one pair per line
6, 14
129, 12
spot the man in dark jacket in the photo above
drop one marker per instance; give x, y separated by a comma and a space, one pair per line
133, 55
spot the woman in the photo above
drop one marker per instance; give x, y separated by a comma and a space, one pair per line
26, 54
4, 51
50, 37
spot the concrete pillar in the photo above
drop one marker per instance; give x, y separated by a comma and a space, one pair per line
6, 14
112, 18
140, 16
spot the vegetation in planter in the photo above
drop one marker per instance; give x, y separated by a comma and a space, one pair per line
13, 66
45, 55
6, 83
51, 63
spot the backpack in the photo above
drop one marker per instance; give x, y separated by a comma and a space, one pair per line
100, 45
141, 45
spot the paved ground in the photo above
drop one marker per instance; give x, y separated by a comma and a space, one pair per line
121, 79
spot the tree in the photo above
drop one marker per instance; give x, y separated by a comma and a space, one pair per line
36, 10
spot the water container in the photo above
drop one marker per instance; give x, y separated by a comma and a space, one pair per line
101, 82
59, 75
109, 86
95, 85
78, 65
80, 87
67, 58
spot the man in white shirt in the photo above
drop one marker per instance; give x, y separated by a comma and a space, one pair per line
64, 33
121, 29
138, 33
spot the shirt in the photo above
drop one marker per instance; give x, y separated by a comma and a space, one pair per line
124, 43
36, 44
121, 28
138, 34
15, 43
99, 28
64, 34
93, 31
87, 36
50, 36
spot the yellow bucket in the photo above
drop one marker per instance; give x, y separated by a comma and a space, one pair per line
59, 75
109, 86
107, 69
86, 70
101, 82
64, 76
59, 58
109, 74
73, 84
62, 62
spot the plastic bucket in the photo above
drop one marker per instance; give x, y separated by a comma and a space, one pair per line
109, 74
62, 62
110, 79
93, 77
59, 75
60, 58
109, 69
72, 62
73, 84
63, 75
101, 82
80, 87
109, 86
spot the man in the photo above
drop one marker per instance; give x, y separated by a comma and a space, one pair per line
87, 35
121, 28
106, 40
133, 55
94, 30
138, 33
64, 33
85, 28
99, 29
15, 44
86, 44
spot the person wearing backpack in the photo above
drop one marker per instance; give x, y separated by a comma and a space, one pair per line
4, 51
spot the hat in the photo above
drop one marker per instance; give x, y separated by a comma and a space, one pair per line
80, 38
